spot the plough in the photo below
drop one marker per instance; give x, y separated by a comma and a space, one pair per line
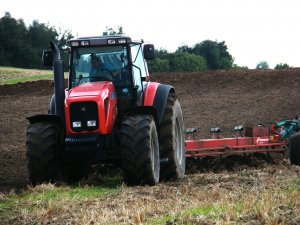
258, 139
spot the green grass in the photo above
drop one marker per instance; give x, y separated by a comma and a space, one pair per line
67, 193
27, 79
188, 215
50, 193
269, 200
10, 75
45, 196
223, 210
267, 206
294, 186
191, 215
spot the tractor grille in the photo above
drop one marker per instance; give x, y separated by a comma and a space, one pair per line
81, 143
84, 116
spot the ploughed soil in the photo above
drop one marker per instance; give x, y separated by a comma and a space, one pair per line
209, 99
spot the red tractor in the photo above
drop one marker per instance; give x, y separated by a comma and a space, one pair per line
112, 114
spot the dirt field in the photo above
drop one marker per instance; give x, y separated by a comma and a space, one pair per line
246, 191
221, 98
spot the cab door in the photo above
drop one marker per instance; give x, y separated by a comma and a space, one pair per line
139, 70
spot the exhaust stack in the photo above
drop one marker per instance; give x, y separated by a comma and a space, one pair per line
59, 87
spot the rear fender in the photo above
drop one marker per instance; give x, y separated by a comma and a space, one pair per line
156, 96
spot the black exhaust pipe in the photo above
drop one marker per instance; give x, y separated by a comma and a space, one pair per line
59, 86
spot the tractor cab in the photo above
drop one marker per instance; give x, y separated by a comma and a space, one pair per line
115, 59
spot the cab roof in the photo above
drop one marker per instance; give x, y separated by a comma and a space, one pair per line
101, 40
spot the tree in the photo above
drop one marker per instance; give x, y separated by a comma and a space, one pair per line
178, 61
111, 31
12, 34
235, 66
21, 46
186, 62
262, 65
162, 53
38, 37
159, 65
282, 66
161, 61
215, 53
184, 48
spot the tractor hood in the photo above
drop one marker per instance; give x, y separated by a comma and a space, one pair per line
89, 89
93, 101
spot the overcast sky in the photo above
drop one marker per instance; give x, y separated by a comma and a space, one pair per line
254, 30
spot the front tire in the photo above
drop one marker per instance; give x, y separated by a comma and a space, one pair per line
43, 143
172, 141
140, 150
294, 149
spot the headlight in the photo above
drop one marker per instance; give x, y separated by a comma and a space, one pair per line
84, 43
77, 124
122, 41
111, 41
74, 43
91, 123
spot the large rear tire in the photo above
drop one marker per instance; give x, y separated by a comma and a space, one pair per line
172, 141
43, 143
294, 149
140, 150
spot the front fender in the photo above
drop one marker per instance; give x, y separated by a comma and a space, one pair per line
45, 118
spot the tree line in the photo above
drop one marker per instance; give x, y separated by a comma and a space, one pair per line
205, 55
22, 46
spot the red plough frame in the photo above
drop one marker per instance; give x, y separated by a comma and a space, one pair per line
259, 142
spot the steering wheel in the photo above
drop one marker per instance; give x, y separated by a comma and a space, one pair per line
102, 75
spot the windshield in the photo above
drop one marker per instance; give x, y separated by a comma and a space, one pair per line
106, 63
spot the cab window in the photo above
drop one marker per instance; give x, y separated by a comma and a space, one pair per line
91, 64
138, 66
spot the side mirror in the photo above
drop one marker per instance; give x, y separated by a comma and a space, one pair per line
48, 57
148, 51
